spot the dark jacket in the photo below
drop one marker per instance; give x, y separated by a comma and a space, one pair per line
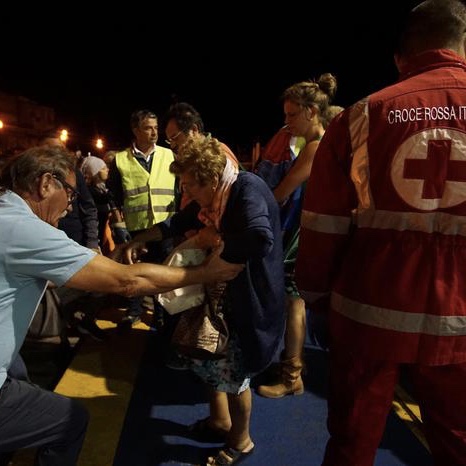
251, 231
81, 224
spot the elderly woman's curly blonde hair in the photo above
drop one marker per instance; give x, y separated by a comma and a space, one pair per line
202, 157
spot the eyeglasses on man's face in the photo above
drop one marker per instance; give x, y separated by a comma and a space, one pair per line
173, 139
70, 191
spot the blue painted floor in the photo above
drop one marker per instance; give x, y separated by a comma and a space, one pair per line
287, 432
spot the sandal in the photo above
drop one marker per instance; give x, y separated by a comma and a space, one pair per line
228, 456
203, 432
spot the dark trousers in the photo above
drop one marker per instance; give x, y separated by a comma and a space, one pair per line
18, 369
31, 417
360, 397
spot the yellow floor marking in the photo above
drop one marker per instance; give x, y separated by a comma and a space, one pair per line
101, 375
408, 411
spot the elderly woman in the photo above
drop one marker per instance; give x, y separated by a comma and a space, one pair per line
244, 212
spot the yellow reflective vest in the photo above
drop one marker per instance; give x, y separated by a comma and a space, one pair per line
149, 198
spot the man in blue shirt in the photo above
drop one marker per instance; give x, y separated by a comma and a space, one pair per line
36, 190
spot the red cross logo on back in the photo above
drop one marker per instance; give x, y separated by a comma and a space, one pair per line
429, 169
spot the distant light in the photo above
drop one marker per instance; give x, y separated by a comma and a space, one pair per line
99, 143
1, 124
64, 135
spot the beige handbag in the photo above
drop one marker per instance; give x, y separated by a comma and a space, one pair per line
201, 333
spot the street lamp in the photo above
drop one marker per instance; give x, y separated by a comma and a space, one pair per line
99, 143
64, 136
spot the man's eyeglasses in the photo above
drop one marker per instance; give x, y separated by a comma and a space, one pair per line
70, 191
171, 140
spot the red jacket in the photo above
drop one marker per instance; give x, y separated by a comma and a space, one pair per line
384, 218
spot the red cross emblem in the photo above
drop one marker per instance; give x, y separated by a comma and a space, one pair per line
429, 169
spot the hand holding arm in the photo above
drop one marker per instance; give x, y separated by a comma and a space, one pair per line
104, 275
133, 250
219, 270
137, 246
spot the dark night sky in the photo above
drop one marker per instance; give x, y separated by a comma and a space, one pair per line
95, 72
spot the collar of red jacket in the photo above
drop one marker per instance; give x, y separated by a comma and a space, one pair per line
431, 59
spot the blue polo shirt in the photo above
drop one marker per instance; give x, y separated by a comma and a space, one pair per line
31, 253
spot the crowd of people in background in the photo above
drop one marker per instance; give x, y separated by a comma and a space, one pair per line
355, 219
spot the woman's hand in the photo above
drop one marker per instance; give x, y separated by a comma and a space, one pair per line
133, 250
208, 237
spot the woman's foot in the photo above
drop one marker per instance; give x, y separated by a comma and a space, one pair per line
228, 456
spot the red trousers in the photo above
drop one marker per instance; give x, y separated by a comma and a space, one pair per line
360, 398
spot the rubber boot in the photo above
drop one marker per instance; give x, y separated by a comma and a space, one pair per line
289, 383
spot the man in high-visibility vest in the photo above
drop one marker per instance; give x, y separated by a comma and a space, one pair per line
144, 189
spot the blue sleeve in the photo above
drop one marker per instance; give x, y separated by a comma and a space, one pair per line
182, 221
248, 233
41, 251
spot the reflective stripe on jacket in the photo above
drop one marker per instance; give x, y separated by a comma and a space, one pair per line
383, 226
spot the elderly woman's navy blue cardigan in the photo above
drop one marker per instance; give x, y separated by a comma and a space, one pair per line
250, 228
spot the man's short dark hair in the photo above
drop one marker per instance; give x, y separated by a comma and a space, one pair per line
186, 117
139, 116
432, 24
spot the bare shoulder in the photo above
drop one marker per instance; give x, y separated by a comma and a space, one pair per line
310, 148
